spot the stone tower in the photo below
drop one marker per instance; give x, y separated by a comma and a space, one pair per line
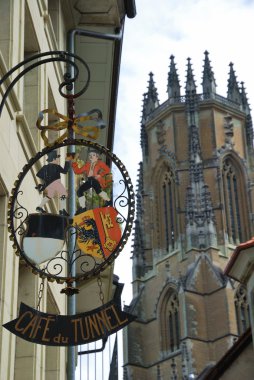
194, 205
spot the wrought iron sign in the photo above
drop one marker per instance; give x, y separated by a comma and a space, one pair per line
40, 226
59, 245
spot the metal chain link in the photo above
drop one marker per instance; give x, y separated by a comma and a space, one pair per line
101, 295
40, 293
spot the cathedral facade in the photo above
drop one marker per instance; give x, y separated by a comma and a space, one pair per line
194, 206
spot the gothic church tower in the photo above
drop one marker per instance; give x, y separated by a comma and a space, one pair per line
194, 205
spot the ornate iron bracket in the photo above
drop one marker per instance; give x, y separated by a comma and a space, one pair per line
41, 59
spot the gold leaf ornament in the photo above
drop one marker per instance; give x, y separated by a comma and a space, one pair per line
64, 123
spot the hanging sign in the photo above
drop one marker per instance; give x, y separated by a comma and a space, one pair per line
70, 234
76, 243
68, 330
40, 226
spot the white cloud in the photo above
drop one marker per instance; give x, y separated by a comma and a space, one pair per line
185, 29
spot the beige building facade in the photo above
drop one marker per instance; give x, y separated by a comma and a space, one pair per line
237, 362
194, 206
30, 27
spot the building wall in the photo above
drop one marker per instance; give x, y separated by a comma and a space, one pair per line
242, 367
27, 28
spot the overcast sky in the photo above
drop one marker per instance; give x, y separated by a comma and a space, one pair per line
183, 28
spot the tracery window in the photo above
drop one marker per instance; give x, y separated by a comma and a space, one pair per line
168, 211
235, 198
242, 309
170, 322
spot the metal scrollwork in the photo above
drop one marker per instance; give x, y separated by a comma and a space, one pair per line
20, 213
42, 58
121, 201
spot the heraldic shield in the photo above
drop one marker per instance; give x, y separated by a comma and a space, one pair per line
44, 237
98, 232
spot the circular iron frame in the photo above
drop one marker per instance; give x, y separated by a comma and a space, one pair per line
129, 219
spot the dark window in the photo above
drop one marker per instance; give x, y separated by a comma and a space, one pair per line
170, 325
235, 198
169, 211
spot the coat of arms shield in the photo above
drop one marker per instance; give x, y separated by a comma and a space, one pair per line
98, 231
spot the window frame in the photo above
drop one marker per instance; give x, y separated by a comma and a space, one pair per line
234, 200
169, 314
167, 210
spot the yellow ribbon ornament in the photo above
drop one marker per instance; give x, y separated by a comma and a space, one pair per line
91, 131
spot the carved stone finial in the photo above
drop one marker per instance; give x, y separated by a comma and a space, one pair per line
233, 88
190, 82
173, 80
150, 101
208, 83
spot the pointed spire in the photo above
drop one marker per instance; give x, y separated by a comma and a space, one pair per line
233, 88
152, 90
173, 88
248, 124
151, 100
190, 87
208, 83
244, 98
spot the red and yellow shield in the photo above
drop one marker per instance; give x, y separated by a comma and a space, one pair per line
98, 232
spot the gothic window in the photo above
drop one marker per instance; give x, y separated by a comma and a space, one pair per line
170, 325
234, 197
242, 309
168, 211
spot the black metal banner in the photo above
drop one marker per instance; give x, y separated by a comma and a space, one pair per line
68, 330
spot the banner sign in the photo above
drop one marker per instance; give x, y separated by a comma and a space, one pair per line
68, 330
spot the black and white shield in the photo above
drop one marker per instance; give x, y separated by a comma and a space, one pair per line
44, 237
